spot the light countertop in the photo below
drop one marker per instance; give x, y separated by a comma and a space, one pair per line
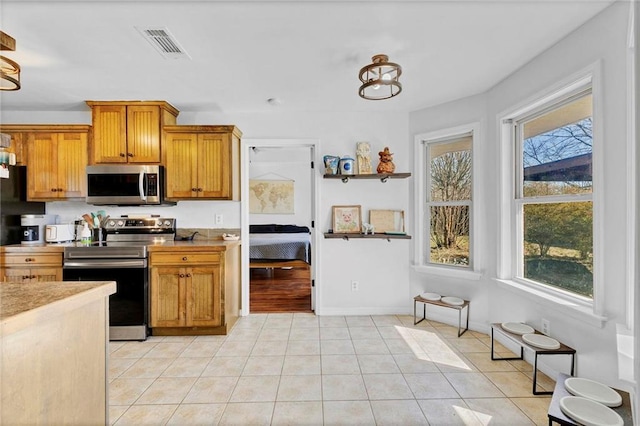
156, 246
24, 304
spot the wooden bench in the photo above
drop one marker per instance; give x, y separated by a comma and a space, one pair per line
426, 302
516, 338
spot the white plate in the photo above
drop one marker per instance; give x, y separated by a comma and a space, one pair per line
430, 296
450, 300
517, 328
541, 341
593, 390
588, 412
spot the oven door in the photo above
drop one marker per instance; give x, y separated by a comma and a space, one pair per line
129, 305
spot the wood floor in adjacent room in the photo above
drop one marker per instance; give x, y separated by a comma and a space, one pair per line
280, 290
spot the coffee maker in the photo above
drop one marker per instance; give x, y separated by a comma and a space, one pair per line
33, 227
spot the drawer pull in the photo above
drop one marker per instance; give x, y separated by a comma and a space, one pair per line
181, 275
185, 258
29, 259
188, 275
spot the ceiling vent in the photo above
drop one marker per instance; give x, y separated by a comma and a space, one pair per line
164, 42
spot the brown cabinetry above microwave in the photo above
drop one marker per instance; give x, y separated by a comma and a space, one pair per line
202, 162
129, 131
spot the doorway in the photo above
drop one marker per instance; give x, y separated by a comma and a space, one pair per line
278, 220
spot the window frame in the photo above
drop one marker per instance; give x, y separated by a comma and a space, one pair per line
422, 186
509, 241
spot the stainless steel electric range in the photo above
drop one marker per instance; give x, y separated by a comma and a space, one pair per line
122, 257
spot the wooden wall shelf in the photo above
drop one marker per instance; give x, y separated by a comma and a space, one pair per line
380, 236
382, 176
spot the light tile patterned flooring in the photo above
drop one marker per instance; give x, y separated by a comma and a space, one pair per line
299, 369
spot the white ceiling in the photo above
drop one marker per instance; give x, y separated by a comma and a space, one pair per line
306, 54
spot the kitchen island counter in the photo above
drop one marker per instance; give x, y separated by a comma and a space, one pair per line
53, 363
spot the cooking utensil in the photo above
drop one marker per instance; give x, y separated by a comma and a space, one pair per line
87, 218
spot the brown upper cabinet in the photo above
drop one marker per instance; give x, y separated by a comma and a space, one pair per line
56, 156
57, 162
202, 162
129, 131
18, 142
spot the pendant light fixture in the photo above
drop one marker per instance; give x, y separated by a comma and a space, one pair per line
9, 70
380, 79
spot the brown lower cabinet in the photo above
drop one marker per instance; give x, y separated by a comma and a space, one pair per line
32, 267
194, 290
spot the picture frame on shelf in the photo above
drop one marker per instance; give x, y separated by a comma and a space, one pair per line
347, 219
387, 220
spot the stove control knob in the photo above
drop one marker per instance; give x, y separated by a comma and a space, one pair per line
112, 223
121, 223
167, 223
158, 222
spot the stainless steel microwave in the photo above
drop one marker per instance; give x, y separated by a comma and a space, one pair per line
125, 185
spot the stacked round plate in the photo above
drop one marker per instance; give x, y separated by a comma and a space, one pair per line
517, 328
451, 300
588, 412
541, 341
430, 296
593, 390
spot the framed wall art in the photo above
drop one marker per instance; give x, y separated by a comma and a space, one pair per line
347, 220
387, 220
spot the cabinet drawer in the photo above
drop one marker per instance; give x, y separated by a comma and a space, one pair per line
184, 258
50, 259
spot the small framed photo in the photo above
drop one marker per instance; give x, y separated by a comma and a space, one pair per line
347, 220
387, 220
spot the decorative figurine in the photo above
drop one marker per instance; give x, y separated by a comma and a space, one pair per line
367, 228
363, 155
386, 161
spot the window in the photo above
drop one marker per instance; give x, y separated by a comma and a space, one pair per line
553, 196
444, 206
449, 201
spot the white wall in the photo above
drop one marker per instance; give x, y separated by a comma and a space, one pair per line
602, 39
284, 163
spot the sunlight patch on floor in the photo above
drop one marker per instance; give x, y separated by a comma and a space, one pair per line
427, 345
471, 417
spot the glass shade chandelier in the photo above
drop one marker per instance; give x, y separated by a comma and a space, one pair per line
9, 70
380, 79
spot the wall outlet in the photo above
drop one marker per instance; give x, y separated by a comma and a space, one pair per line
354, 285
546, 327
218, 219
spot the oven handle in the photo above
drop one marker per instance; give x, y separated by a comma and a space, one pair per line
95, 264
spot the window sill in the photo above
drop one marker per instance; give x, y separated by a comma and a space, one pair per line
572, 309
448, 272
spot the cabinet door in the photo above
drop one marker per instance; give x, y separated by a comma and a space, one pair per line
181, 171
42, 173
167, 297
72, 165
46, 274
18, 147
143, 134
16, 275
109, 134
214, 166
203, 296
